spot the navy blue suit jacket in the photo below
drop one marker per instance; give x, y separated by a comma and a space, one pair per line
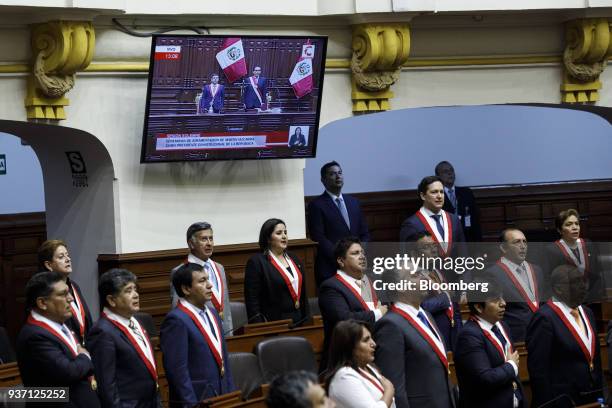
72, 323
251, 100
437, 305
338, 303
412, 227
518, 313
44, 361
123, 378
556, 363
326, 226
207, 97
485, 378
192, 372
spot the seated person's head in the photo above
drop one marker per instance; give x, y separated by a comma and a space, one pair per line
297, 389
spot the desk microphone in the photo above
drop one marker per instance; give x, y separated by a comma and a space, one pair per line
250, 320
556, 399
300, 322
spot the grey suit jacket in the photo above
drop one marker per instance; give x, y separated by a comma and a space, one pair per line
408, 361
228, 325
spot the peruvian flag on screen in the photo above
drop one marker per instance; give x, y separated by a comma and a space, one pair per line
231, 59
301, 77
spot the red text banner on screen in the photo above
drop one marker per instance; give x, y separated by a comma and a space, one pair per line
167, 52
219, 140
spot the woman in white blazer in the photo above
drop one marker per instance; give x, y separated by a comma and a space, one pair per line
352, 380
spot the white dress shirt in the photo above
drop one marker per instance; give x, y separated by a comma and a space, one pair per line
349, 389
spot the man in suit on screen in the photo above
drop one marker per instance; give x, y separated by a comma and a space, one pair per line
256, 91
213, 96
331, 217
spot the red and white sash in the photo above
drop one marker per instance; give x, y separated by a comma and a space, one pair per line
433, 340
587, 340
444, 242
213, 93
217, 292
293, 282
533, 305
78, 311
214, 344
450, 310
69, 341
253, 81
583, 265
145, 352
357, 294
503, 351
372, 379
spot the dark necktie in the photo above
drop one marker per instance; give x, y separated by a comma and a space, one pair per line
343, 211
210, 324
437, 217
136, 332
499, 336
425, 321
576, 254
453, 198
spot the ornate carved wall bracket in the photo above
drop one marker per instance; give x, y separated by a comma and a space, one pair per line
587, 49
59, 49
379, 51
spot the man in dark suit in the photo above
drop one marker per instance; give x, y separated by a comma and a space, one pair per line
123, 356
443, 226
563, 354
442, 305
192, 342
256, 91
522, 282
332, 216
486, 362
460, 201
349, 294
48, 353
410, 350
213, 96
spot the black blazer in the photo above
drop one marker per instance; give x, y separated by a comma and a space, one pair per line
553, 257
437, 305
518, 313
326, 226
123, 378
556, 363
466, 206
338, 303
44, 361
485, 378
72, 323
267, 295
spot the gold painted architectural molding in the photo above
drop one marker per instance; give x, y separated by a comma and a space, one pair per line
379, 51
59, 49
588, 46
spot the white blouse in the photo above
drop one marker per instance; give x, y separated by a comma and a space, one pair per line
350, 389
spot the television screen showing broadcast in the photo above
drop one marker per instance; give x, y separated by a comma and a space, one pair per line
214, 97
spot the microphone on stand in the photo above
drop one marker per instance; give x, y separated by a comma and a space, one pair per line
300, 322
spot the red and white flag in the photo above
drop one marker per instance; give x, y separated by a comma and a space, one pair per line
301, 77
231, 59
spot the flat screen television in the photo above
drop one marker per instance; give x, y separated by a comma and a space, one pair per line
230, 97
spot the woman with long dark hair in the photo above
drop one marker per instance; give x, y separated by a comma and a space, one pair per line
352, 380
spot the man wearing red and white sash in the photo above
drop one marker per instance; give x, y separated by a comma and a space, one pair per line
122, 353
442, 305
563, 354
486, 362
201, 245
348, 294
443, 226
48, 353
522, 282
411, 351
213, 96
256, 90
193, 343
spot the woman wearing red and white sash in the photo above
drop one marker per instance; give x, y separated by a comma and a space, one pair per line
274, 280
352, 380
571, 249
122, 353
486, 363
48, 353
53, 256
563, 349
193, 344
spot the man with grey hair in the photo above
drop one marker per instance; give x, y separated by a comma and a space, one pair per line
201, 245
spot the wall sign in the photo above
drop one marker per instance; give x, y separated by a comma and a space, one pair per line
79, 171
2, 164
